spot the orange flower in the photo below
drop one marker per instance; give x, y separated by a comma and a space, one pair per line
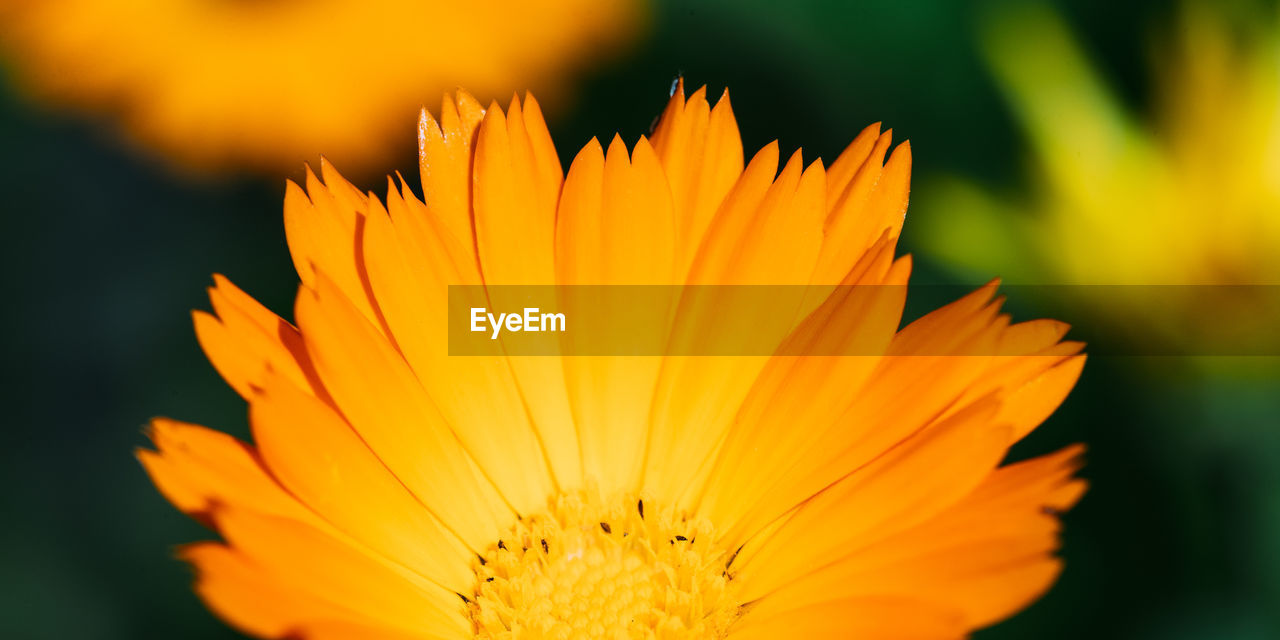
397, 492
217, 84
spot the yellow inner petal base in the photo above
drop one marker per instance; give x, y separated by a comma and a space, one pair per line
596, 568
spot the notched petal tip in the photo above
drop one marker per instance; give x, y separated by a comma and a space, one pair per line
1073, 455
460, 96
427, 126
149, 430
531, 105
221, 281
677, 88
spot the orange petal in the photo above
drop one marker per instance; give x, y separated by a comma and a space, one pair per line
462, 482
245, 340
853, 220
758, 222
514, 173
322, 227
198, 469
872, 617
341, 630
907, 485
701, 154
320, 459
765, 442
905, 393
516, 170
445, 151
250, 599
475, 396
380, 592
986, 557
616, 226
850, 161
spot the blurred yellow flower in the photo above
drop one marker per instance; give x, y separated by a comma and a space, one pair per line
1191, 197
218, 83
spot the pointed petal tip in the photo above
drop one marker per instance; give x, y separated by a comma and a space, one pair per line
460, 96
1076, 451
311, 175
148, 430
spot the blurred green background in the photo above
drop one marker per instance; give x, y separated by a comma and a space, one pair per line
1178, 538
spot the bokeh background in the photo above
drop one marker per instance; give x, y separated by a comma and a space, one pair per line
108, 247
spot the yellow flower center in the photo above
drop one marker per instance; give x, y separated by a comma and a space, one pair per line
594, 568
